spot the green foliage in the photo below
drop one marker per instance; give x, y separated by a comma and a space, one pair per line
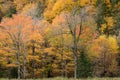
114, 2
10, 12
105, 9
1, 14
14, 72
2, 72
84, 66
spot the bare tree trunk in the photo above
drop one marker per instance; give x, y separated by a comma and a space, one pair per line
75, 56
9, 69
33, 53
24, 69
75, 70
62, 64
104, 65
18, 60
75, 36
65, 69
18, 55
62, 43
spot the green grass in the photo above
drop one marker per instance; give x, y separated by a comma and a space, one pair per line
59, 78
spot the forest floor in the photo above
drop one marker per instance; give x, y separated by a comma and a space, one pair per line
58, 78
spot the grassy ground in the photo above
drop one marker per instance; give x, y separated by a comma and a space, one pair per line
58, 78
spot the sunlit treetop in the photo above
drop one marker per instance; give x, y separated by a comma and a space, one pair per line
30, 10
56, 8
83, 3
18, 24
108, 25
105, 44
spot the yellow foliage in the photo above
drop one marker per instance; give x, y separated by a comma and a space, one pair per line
103, 27
20, 5
113, 44
107, 1
30, 57
102, 37
84, 2
57, 8
103, 44
61, 5
49, 51
54, 66
49, 15
93, 2
0, 7
29, 9
110, 22
110, 41
11, 65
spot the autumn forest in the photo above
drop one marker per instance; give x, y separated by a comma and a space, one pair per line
59, 38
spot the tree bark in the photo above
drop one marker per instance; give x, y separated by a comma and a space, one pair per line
75, 56
24, 69
18, 58
73, 28
62, 54
33, 53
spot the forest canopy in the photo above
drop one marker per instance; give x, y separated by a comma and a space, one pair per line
68, 38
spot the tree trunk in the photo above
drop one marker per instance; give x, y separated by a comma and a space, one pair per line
75, 63
33, 53
104, 65
18, 60
62, 54
9, 70
24, 69
62, 63
75, 56
66, 69
18, 70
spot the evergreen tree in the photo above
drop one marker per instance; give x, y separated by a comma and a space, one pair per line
84, 66
10, 12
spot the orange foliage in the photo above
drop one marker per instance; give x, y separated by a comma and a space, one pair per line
17, 26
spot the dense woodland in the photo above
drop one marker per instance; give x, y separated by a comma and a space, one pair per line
68, 38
